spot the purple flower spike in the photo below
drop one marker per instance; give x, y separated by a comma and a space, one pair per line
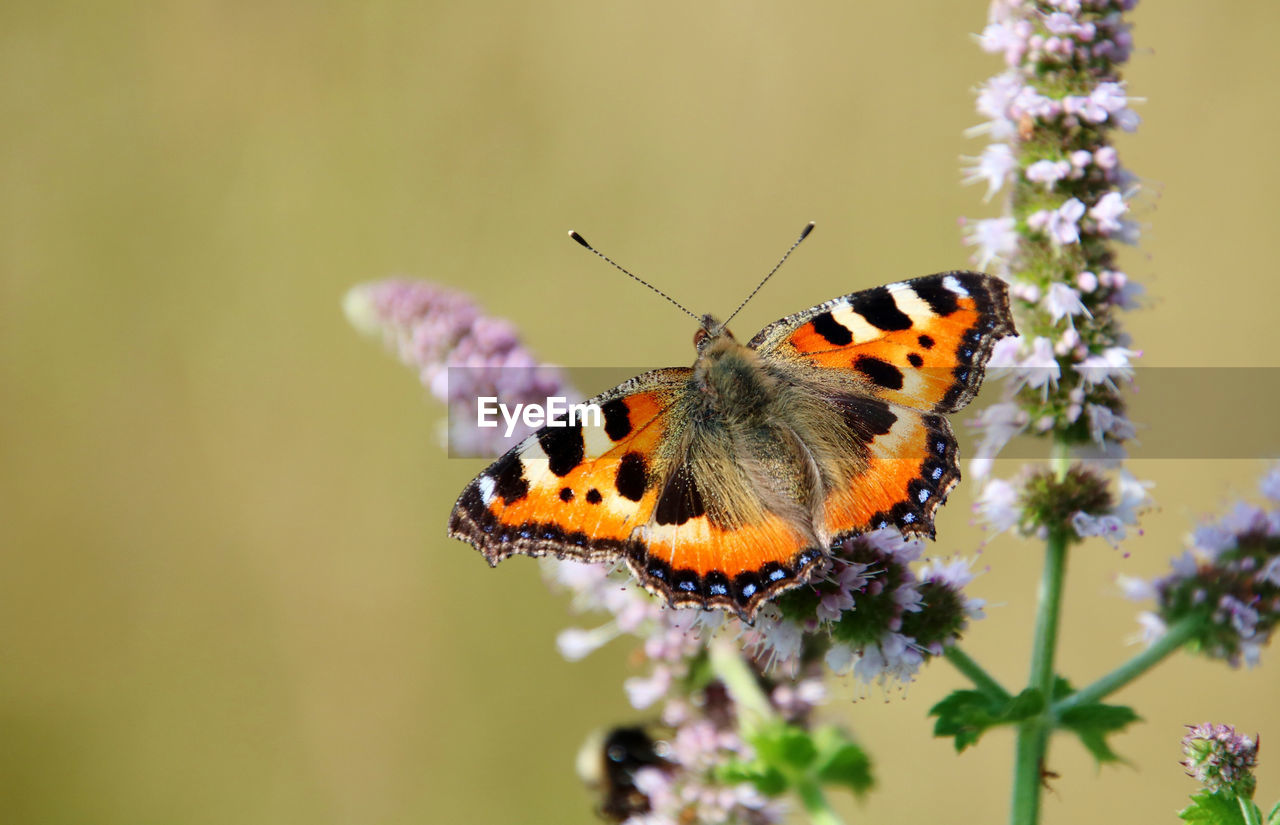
460, 354
1220, 758
1053, 111
1230, 577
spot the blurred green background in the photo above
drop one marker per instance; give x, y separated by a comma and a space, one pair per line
225, 592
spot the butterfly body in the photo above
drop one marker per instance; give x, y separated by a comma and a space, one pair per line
725, 483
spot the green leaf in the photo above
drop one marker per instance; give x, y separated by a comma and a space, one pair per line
1094, 722
784, 746
849, 767
767, 780
1273, 818
967, 714
841, 761
1208, 808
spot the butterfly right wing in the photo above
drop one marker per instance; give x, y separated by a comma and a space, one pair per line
922, 343
890, 361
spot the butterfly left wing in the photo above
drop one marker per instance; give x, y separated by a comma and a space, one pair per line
891, 361
693, 522
576, 491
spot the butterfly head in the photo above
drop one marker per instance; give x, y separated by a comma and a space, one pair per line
710, 331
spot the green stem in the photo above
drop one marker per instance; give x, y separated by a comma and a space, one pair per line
1252, 816
753, 706
1033, 739
975, 673
1060, 459
754, 711
1174, 637
1033, 734
816, 805
1050, 608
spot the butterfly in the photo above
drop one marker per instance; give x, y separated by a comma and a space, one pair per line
724, 484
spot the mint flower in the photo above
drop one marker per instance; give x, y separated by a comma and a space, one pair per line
993, 168
1229, 579
459, 352
995, 238
1061, 225
1052, 110
1221, 759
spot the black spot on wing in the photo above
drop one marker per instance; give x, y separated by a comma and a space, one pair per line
836, 333
566, 495
632, 477
688, 584
680, 501
940, 299
563, 446
508, 476
593, 496
617, 419
880, 310
746, 586
658, 569
915, 360
715, 584
881, 373
866, 418
926, 341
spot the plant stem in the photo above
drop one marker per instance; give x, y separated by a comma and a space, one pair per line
1033, 734
1252, 816
816, 805
754, 711
728, 664
975, 673
1174, 637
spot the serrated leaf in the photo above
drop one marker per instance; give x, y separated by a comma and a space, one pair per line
1023, 706
1094, 722
966, 714
1208, 808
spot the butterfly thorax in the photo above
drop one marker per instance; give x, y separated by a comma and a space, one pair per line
731, 377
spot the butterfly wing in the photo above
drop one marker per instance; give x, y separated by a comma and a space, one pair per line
681, 504
890, 362
574, 492
922, 343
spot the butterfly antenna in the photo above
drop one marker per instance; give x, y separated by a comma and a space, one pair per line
615, 265
803, 234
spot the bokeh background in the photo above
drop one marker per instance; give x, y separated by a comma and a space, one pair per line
225, 590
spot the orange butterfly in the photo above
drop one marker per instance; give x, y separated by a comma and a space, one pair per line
726, 483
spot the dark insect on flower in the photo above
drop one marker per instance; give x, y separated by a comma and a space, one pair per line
612, 765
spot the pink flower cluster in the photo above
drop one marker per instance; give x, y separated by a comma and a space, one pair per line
1230, 576
1050, 115
1220, 758
460, 354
